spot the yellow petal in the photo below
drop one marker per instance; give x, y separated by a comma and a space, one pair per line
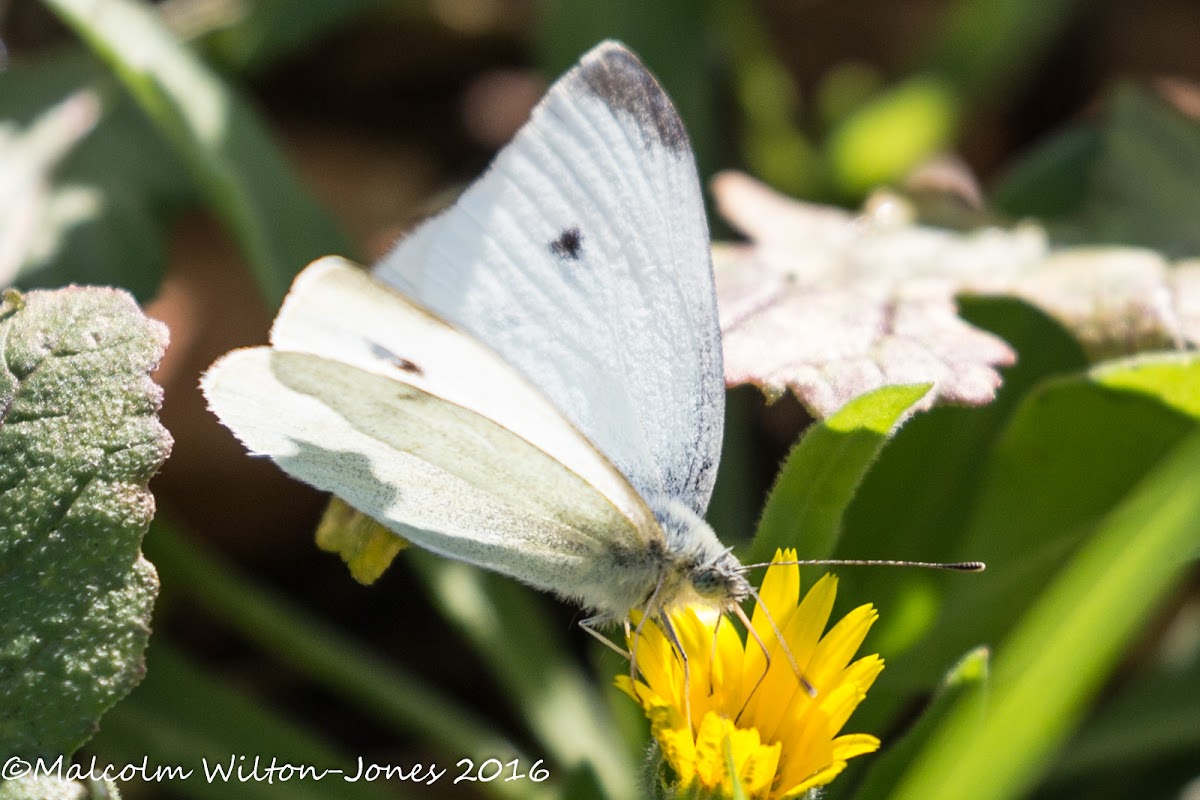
725, 679
780, 592
679, 750
807, 745
781, 686
710, 752
739, 712
860, 675
656, 661
367, 547
755, 762
854, 744
838, 646
818, 779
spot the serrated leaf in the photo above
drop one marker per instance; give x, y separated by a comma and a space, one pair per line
822, 473
831, 305
52, 788
79, 439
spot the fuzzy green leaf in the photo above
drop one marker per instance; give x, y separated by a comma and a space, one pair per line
53, 788
823, 472
79, 439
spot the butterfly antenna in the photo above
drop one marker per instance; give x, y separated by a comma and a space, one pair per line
954, 566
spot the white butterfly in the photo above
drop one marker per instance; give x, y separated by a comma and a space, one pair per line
531, 382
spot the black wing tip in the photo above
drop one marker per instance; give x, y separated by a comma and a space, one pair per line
613, 73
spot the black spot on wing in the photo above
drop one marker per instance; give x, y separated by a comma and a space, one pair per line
568, 244
616, 76
399, 362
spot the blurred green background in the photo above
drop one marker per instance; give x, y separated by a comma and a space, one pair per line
220, 145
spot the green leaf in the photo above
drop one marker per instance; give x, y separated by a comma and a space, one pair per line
240, 170
1172, 378
1147, 185
888, 136
1133, 178
181, 717
506, 623
1052, 181
1155, 717
988, 49
267, 30
66, 215
28, 160
1067, 642
966, 679
1073, 449
79, 439
823, 471
396, 698
582, 784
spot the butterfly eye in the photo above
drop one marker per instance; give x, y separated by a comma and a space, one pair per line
710, 582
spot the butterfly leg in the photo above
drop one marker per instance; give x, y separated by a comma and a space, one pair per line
590, 626
664, 623
787, 651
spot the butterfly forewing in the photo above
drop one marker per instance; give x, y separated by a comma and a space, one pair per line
581, 257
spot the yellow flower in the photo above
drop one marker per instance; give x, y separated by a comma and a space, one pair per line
779, 739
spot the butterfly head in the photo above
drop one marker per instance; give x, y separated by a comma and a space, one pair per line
698, 567
722, 582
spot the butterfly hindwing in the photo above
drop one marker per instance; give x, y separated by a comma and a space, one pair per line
359, 413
